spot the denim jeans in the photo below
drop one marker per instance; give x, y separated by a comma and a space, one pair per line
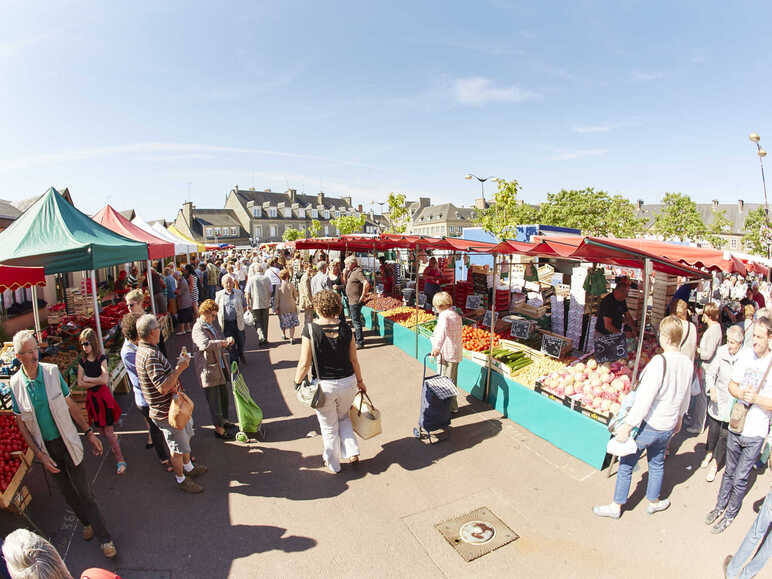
211, 291
231, 329
655, 443
756, 534
741, 454
356, 321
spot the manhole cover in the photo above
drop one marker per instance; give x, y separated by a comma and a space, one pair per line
476, 534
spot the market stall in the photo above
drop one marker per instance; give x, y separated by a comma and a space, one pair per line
157, 248
180, 247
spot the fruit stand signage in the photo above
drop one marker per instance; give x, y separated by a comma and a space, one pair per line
552, 345
610, 348
473, 302
521, 329
486, 321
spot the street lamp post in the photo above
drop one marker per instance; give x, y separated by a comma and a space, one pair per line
755, 138
482, 181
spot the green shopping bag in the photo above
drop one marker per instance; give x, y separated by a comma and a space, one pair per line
249, 413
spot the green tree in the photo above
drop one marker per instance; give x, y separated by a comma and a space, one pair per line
679, 219
399, 215
718, 226
506, 212
291, 234
347, 224
755, 239
315, 228
592, 212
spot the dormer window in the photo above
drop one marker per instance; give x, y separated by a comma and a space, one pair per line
325, 213
314, 214
301, 213
257, 211
336, 214
272, 212
286, 212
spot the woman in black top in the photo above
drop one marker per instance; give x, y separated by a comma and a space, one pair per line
339, 377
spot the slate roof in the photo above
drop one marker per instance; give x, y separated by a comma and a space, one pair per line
128, 214
214, 218
7, 210
275, 198
25, 204
732, 212
443, 212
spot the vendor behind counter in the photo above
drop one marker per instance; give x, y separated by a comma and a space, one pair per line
612, 312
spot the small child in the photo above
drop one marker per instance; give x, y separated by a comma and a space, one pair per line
103, 410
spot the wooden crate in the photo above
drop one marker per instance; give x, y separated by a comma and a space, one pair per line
7, 498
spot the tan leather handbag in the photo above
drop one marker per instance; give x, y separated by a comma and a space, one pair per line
181, 410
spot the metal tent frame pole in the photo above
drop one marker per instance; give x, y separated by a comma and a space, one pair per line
646, 291
96, 311
150, 286
415, 301
491, 329
35, 312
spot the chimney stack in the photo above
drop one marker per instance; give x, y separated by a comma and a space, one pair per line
359, 208
347, 201
715, 204
740, 204
291, 193
320, 198
640, 204
187, 212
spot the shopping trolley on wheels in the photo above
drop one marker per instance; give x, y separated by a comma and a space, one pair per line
249, 413
434, 418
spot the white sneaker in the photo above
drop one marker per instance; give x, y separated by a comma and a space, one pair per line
658, 506
706, 461
710, 476
612, 511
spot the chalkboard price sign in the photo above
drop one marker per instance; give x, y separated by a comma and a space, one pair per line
486, 321
552, 345
610, 348
521, 329
473, 302
421, 300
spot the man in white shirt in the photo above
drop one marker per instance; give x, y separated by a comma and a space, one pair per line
319, 281
743, 450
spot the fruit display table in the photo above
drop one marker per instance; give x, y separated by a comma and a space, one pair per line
15, 461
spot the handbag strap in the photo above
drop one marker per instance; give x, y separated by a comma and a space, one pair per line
764, 377
362, 396
313, 350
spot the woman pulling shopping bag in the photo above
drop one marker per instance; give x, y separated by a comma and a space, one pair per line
338, 374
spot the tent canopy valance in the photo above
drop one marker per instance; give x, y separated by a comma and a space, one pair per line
200, 246
12, 278
157, 248
180, 247
54, 235
393, 241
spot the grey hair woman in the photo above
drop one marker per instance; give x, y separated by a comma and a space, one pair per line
30, 556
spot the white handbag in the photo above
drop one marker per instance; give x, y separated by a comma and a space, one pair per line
249, 319
365, 418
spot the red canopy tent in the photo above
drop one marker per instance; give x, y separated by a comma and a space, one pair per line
156, 247
13, 277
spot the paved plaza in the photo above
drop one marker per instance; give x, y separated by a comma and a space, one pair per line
269, 510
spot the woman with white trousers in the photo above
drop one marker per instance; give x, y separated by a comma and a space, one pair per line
339, 375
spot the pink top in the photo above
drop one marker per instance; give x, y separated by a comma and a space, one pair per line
447, 336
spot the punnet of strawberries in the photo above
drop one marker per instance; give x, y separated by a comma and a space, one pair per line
11, 441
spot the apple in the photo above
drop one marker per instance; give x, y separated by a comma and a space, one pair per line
569, 390
614, 408
592, 364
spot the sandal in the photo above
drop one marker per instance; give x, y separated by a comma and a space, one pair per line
121, 467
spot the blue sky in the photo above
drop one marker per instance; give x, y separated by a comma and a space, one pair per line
127, 103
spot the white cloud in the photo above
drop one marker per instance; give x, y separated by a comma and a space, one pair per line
478, 90
641, 76
568, 155
158, 152
594, 128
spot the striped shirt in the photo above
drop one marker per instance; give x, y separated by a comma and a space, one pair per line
152, 370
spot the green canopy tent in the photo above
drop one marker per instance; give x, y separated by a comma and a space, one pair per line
54, 235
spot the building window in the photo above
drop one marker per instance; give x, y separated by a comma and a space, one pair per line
209, 232
326, 214
273, 232
257, 231
234, 231
314, 214
733, 243
336, 214
287, 212
301, 213
257, 212
272, 212
326, 230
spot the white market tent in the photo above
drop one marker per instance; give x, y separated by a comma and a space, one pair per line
180, 247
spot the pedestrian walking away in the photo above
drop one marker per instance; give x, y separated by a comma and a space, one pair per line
287, 297
447, 343
159, 383
213, 368
47, 416
258, 294
339, 375
357, 288
129, 357
751, 386
660, 404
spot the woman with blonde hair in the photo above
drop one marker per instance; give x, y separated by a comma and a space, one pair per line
212, 366
286, 305
688, 344
339, 375
660, 403
446, 340
103, 410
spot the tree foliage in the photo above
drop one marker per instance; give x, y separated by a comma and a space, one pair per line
592, 212
347, 224
756, 238
291, 234
315, 228
399, 215
719, 225
506, 212
679, 219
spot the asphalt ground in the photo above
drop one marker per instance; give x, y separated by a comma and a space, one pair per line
270, 510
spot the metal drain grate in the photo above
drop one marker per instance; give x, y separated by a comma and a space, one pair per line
476, 534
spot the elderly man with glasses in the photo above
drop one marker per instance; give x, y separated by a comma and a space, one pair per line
159, 383
47, 416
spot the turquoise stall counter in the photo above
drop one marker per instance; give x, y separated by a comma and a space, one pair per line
367, 314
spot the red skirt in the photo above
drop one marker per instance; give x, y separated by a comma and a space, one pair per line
102, 408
